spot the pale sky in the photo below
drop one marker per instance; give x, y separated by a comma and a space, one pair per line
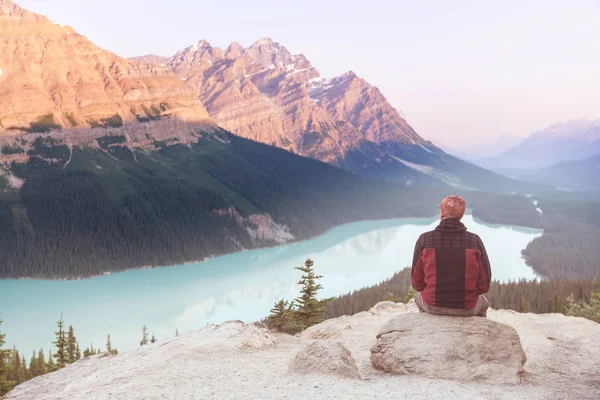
461, 72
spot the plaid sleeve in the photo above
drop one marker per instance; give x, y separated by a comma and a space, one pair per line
486, 279
417, 272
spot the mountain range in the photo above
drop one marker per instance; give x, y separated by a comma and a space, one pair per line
108, 163
565, 141
266, 93
580, 175
53, 78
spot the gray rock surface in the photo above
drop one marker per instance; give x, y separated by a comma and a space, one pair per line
325, 357
462, 349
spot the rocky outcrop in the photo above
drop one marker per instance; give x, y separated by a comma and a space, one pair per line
325, 357
237, 335
52, 77
463, 349
235, 360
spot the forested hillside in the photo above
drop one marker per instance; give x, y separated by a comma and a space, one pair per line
86, 210
523, 296
570, 245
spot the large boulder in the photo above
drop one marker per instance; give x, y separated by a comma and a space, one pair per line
457, 348
325, 357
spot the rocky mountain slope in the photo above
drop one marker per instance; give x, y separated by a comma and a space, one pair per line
234, 360
266, 93
52, 77
566, 141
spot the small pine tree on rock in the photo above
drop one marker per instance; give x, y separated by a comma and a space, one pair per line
410, 295
72, 346
33, 365
78, 352
51, 366
153, 339
283, 318
108, 345
310, 311
41, 359
144, 340
61, 344
5, 383
176, 332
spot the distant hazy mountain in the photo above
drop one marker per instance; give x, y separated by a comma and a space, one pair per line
572, 140
573, 175
474, 151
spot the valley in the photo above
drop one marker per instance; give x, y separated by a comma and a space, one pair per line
171, 193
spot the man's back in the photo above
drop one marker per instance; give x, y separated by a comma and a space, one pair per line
451, 269
450, 266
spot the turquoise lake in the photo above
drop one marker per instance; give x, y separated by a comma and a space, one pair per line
236, 286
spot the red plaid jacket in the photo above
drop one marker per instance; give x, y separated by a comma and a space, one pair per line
450, 266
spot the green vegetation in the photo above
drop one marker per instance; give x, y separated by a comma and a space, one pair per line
568, 249
116, 121
106, 141
525, 296
109, 348
581, 308
8, 150
153, 113
61, 345
44, 124
306, 311
14, 369
144, 340
5, 361
71, 119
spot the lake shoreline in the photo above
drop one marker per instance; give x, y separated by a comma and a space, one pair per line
136, 268
243, 285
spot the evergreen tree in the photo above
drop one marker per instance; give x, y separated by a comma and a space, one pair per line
50, 366
71, 346
283, 318
61, 344
26, 371
580, 308
108, 345
86, 353
310, 310
176, 332
5, 383
144, 340
33, 365
41, 369
522, 304
411, 294
78, 352
153, 339
16, 373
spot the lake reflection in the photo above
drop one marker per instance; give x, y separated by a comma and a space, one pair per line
237, 286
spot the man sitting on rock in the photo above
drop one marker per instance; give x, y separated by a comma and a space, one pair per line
451, 270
